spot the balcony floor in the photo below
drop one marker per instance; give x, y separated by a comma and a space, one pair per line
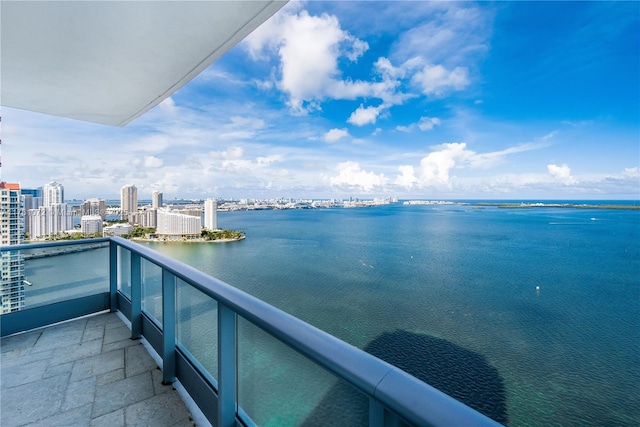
87, 372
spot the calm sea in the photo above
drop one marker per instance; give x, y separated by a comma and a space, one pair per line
530, 315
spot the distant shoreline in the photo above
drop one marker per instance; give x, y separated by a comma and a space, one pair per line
196, 240
561, 205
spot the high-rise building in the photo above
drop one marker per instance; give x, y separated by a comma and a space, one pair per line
174, 226
49, 220
94, 207
210, 214
11, 262
156, 201
52, 193
128, 200
90, 224
31, 199
147, 218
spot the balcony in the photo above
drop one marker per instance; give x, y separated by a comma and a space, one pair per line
235, 359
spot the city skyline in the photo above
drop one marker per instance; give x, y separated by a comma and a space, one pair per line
417, 100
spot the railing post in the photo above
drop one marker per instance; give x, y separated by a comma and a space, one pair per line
376, 413
136, 296
227, 369
379, 417
168, 327
113, 276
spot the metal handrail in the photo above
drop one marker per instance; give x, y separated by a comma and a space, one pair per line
387, 387
393, 388
54, 243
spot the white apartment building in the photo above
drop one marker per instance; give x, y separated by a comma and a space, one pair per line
90, 224
210, 214
117, 230
156, 200
192, 210
174, 226
52, 193
147, 218
49, 220
11, 263
128, 200
94, 207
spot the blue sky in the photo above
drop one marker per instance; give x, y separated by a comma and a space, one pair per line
425, 100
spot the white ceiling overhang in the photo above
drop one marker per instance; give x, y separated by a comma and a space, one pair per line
111, 61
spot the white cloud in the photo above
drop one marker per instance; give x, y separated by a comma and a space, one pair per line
238, 134
424, 124
168, 106
437, 81
428, 123
435, 167
153, 162
407, 177
386, 69
309, 49
448, 33
351, 176
234, 152
363, 116
434, 56
632, 172
335, 135
561, 174
488, 160
356, 48
251, 122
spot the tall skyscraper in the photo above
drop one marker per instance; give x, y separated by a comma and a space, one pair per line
11, 262
128, 200
53, 217
31, 199
49, 220
156, 201
52, 193
94, 207
210, 214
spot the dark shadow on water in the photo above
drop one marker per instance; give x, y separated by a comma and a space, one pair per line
458, 372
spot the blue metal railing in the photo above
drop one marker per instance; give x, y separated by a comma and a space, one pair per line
394, 396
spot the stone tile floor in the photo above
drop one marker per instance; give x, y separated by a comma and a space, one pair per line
87, 372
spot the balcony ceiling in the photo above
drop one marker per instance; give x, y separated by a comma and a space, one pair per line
111, 61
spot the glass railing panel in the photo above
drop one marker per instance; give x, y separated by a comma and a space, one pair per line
152, 290
56, 274
197, 326
279, 387
124, 271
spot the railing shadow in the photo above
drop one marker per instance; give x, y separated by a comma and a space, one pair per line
456, 371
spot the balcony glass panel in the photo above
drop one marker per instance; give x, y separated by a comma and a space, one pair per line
60, 273
278, 386
152, 290
197, 326
124, 271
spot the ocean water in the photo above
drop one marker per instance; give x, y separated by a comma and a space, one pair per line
531, 316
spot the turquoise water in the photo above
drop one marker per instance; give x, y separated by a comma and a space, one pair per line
530, 315
566, 353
